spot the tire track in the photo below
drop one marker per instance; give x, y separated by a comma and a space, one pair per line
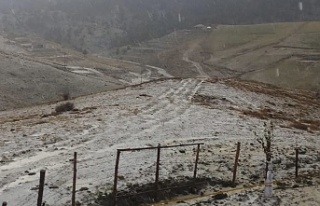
197, 65
170, 107
163, 98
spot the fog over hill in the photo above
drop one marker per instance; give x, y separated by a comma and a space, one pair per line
38, 39
102, 24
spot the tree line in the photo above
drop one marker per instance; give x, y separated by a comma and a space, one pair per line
101, 24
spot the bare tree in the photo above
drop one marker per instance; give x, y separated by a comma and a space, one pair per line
266, 140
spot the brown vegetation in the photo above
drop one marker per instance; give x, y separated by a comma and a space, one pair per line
64, 107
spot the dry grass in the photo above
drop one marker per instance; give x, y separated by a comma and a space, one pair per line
64, 107
267, 114
303, 97
234, 36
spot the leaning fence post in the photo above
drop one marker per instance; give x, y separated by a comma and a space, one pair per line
196, 163
297, 161
236, 164
4, 204
116, 178
41, 186
157, 174
73, 201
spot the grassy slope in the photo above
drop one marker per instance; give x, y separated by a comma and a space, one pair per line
25, 83
30, 77
272, 53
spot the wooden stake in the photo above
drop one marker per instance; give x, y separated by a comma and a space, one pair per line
73, 201
157, 173
116, 178
297, 161
236, 164
41, 186
196, 163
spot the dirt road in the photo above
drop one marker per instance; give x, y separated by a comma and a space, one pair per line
186, 58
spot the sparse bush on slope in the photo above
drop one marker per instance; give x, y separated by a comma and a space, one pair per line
66, 96
64, 107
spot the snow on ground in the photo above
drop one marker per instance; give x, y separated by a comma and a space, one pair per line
298, 196
163, 112
160, 71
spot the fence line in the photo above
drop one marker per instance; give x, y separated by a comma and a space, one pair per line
158, 163
156, 183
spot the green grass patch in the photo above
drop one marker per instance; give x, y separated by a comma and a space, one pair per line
311, 40
291, 74
231, 36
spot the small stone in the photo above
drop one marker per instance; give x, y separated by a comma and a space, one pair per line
254, 177
295, 186
31, 173
220, 196
53, 187
181, 201
309, 183
35, 188
83, 189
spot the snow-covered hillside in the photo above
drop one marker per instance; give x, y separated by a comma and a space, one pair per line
218, 113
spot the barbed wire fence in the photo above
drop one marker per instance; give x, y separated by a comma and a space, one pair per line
155, 165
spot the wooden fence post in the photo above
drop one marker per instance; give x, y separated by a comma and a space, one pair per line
41, 186
157, 174
236, 164
73, 201
196, 163
297, 162
116, 178
4, 204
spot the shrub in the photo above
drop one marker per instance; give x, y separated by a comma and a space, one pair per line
66, 96
64, 107
84, 52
